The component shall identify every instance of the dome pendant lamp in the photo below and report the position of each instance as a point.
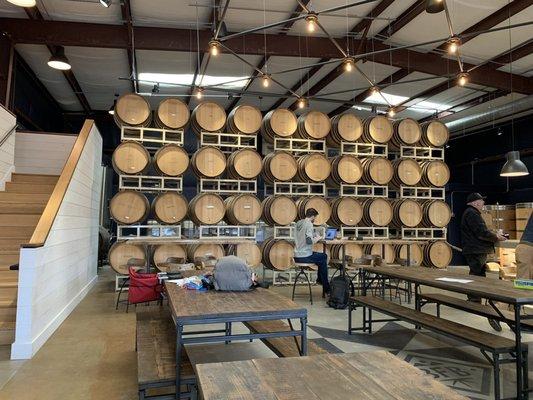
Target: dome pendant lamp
(434, 6)
(514, 166)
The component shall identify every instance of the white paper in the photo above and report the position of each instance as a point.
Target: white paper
(454, 280)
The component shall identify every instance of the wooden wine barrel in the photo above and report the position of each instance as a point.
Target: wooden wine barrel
(376, 212)
(245, 119)
(172, 113)
(318, 203)
(208, 117)
(279, 166)
(437, 254)
(129, 207)
(195, 251)
(523, 213)
(436, 213)
(353, 250)
(132, 110)
(377, 129)
(169, 208)
(345, 169)
(406, 212)
(377, 171)
(243, 209)
(434, 134)
(346, 127)
(407, 132)
(249, 252)
(277, 254)
(434, 173)
(345, 211)
(416, 255)
(313, 125)
(279, 210)
(121, 252)
(244, 164)
(501, 216)
(313, 167)
(208, 162)
(407, 172)
(385, 251)
(163, 251)
(171, 160)
(130, 158)
(279, 122)
(207, 209)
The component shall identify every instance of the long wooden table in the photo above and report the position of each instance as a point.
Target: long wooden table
(362, 376)
(490, 289)
(191, 307)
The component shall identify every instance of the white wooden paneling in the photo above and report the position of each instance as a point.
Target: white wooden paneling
(7, 150)
(38, 153)
(54, 278)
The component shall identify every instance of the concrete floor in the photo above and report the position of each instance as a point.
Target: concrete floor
(91, 356)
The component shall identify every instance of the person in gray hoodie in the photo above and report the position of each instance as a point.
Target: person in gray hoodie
(304, 239)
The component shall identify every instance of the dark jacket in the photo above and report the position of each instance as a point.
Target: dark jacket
(475, 236)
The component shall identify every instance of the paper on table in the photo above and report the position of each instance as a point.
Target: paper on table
(455, 280)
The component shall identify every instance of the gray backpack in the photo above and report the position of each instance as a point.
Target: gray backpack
(232, 273)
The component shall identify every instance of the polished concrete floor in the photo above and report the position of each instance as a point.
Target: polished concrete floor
(91, 356)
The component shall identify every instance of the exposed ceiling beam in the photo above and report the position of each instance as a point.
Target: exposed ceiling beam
(169, 39)
(407, 16)
(285, 28)
(494, 19)
(395, 77)
(125, 8)
(35, 15)
(376, 12)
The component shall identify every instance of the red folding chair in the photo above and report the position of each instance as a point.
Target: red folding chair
(143, 288)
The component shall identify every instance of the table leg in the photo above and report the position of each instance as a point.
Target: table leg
(228, 331)
(343, 254)
(418, 306)
(303, 327)
(179, 337)
(408, 255)
(519, 355)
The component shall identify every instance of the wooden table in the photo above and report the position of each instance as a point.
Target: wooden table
(491, 289)
(191, 307)
(362, 376)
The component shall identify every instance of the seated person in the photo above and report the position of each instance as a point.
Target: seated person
(304, 239)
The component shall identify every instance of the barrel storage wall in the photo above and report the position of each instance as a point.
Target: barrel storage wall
(370, 178)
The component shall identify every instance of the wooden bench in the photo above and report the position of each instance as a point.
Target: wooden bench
(491, 346)
(470, 306)
(156, 356)
(284, 346)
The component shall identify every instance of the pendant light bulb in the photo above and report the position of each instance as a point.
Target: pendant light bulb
(199, 93)
(374, 90)
(23, 3)
(301, 103)
(311, 22)
(391, 113)
(462, 79)
(214, 47)
(265, 80)
(453, 45)
(348, 64)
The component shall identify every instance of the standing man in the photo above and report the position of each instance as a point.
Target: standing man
(524, 253)
(478, 241)
(304, 239)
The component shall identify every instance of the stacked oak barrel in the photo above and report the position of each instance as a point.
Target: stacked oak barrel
(331, 168)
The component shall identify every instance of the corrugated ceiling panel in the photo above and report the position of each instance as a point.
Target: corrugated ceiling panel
(81, 10)
(171, 13)
(523, 66)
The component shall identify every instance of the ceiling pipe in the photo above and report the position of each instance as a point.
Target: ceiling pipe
(490, 115)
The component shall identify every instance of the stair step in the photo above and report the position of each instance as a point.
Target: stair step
(21, 208)
(34, 178)
(8, 302)
(23, 198)
(19, 219)
(7, 332)
(9, 258)
(8, 284)
(8, 314)
(12, 232)
(27, 187)
(9, 293)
